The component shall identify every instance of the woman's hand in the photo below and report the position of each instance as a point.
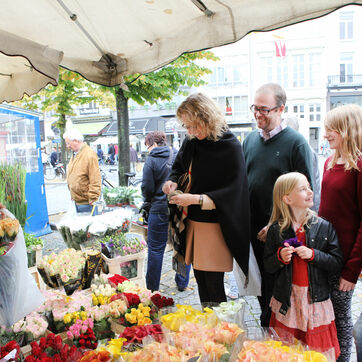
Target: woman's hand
(169, 187)
(345, 285)
(303, 252)
(287, 253)
(262, 234)
(185, 199)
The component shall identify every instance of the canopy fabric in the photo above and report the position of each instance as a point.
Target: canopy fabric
(89, 128)
(104, 40)
(26, 66)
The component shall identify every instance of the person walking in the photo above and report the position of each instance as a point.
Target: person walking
(100, 155)
(133, 158)
(270, 151)
(83, 174)
(217, 205)
(341, 204)
(155, 172)
(301, 252)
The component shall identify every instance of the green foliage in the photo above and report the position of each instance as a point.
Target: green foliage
(31, 241)
(12, 190)
(164, 83)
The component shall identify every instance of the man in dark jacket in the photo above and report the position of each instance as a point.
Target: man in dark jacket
(271, 150)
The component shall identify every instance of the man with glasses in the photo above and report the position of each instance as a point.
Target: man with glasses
(271, 150)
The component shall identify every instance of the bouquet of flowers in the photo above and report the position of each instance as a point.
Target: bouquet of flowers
(51, 349)
(63, 269)
(10, 348)
(136, 334)
(9, 228)
(82, 335)
(161, 301)
(34, 326)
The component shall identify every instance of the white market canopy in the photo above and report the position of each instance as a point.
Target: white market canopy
(104, 40)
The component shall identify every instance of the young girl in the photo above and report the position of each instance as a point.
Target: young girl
(341, 204)
(301, 250)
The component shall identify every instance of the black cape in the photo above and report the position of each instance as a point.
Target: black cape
(218, 170)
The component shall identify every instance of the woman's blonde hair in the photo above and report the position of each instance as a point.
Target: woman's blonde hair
(347, 121)
(282, 212)
(202, 111)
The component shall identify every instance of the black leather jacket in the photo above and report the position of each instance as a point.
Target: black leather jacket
(328, 260)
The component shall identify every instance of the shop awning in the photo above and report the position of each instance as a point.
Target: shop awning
(90, 129)
(139, 126)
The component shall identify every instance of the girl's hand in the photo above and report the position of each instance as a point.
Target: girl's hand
(169, 186)
(287, 253)
(185, 199)
(303, 252)
(345, 286)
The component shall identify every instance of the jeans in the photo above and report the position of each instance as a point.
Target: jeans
(357, 334)
(86, 208)
(156, 240)
(183, 282)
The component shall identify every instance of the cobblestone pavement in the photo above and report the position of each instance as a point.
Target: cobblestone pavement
(54, 242)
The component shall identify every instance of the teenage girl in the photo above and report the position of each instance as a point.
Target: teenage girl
(301, 250)
(341, 204)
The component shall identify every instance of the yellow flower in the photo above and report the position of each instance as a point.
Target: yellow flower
(115, 347)
(83, 315)
(67, 318)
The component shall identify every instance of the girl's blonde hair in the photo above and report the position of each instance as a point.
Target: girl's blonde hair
(282, 212)
(202, 111)
(347, 121)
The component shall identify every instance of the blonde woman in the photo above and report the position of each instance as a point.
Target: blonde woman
(217, 226)
(341, 204)
(301, 251)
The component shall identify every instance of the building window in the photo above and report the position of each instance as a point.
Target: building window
(314, 70)
(346, 25)
(282, 71)
(346, 68)
(267, 69)
(315, 112)
(298, 70)
(298, 110)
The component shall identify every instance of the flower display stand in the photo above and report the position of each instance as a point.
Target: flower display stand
(122, 264)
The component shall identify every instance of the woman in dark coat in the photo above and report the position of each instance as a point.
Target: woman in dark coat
(217, 224)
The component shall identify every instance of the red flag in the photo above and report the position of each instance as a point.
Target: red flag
(280, 49)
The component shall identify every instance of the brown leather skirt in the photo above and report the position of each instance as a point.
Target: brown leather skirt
(206, 248)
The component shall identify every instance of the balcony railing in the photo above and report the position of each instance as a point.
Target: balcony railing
(345, 81)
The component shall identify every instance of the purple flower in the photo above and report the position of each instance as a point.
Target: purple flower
(293, 242)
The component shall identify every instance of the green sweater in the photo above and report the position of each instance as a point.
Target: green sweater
(287, 151)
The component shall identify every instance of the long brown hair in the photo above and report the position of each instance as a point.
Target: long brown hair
(347, 121)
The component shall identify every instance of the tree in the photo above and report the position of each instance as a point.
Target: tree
(158, 85)
(72, 89)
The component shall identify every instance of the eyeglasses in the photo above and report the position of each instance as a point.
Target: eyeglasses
(188, 127)
(262, 110)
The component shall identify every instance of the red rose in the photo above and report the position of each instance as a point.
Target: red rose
(88, 344)
(30, 359)
(117, 279)
(82, 342)
(57, 358)
(42, 342)
(64, 352)
(58, 343)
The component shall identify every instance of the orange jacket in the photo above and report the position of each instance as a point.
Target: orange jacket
(84, 177)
